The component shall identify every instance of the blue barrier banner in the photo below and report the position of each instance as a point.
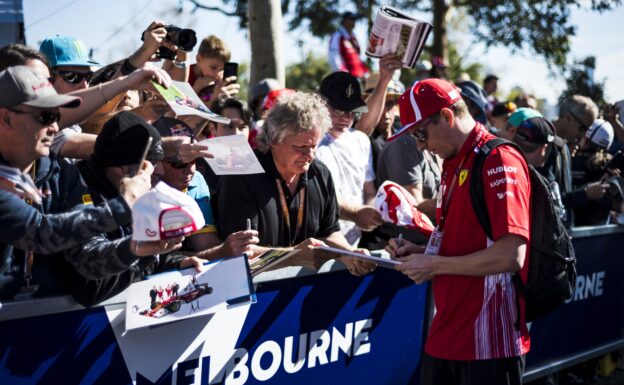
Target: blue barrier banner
(329, 328)
(594, 317)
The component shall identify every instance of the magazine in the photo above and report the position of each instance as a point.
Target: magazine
(18, 183)
(178, 295)
(269, 259)
(232, 155)
(379, 261)
(394, 31)
(184, 101)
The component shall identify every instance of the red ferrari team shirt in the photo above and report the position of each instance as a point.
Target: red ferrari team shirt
(476, 316)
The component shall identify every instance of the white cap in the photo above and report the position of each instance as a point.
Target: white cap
(165, 213)
(600, 133)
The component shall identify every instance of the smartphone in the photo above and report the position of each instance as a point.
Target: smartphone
(616, 162)
(230, 69)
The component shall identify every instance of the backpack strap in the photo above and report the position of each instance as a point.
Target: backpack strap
(477, 196)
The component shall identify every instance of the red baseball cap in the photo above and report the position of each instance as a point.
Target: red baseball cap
(424, 99)
(271, 98)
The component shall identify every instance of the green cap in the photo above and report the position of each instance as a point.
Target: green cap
(521, 114)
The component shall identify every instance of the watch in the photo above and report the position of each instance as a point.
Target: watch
(179, 64)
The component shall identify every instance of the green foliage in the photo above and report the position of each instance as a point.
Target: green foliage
(542, 26)
(307, 75)
(580, 81)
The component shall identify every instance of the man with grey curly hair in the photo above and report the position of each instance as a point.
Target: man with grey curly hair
(293, 204)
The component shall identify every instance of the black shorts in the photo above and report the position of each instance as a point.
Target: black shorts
(502, 371)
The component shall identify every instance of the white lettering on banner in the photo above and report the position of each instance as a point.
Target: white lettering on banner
(590, 285)
(499, 169)
(203, 370)
(501, 181)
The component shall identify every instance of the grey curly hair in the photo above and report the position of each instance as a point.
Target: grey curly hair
(293, 113)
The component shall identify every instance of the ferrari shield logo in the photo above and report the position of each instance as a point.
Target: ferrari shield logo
(463, 174)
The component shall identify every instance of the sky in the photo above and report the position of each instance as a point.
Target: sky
(113, 29)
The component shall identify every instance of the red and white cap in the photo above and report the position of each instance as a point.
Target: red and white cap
(424, 99)
(165, 213)
(397, 206)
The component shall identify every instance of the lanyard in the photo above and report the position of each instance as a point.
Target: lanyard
(286, 213)
(30, 255)
(446, 198)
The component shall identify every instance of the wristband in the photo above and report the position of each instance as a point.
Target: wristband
(127, 68)
(179, 64)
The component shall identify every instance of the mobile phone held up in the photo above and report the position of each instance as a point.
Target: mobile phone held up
(230, 69)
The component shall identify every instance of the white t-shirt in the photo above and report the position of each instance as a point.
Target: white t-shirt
(350, 161)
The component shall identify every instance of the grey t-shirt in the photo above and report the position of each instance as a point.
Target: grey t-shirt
(402, 162)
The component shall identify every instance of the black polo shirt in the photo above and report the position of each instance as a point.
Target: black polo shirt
(256, 197)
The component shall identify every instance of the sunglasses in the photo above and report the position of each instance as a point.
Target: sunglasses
(420, 134)
(73, 77)
(45, 117)
(180, 165)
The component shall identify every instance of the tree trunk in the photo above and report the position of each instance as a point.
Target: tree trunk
(439, 47)
(265, 30)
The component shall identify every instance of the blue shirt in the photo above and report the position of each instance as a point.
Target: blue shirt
(198, 190)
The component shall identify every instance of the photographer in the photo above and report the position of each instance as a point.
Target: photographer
(158, 35)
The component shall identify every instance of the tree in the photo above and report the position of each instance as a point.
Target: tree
(580, 81)
(307, 75)
(542, 26)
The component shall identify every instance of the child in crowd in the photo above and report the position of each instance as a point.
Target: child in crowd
(206, 76)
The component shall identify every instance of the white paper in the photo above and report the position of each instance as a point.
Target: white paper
(221, 284)
(379, 261)
(232, 156)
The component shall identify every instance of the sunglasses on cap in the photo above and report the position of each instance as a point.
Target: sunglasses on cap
(73, 77)
(45, 117)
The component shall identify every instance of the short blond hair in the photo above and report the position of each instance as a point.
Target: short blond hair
(213, 47)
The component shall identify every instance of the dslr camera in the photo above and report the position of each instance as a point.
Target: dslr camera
(185, 39)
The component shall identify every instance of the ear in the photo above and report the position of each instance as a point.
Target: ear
(212, 127)
(5, 120)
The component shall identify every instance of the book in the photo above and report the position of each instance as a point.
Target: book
(394, 31)
(232, 155)
(18, 183)
(178, 295)
(378, 260)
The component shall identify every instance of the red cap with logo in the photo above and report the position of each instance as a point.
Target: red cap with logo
(424, 99)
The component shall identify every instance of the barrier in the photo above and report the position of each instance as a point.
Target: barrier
(329, 328)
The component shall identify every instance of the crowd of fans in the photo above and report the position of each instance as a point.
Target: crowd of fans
(78, 128)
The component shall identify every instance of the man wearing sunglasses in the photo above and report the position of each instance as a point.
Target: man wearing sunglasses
(29, 112)
(478, 334)
(576, 114)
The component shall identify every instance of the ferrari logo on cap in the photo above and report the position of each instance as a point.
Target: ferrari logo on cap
(349, 91)
(463, 174)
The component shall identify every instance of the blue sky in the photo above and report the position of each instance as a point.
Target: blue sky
(113, 28)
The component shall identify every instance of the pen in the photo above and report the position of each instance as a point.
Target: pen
(248, 224)
(400, 241)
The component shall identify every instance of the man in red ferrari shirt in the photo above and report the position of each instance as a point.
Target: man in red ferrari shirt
(478, 334)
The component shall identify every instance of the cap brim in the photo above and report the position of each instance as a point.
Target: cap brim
(78, 63)
(55, 101)
(402, 131)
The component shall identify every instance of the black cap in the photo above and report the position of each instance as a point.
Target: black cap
(505, 108)
(173, 127)
(536, 130)
(342, 91)
(123, 139)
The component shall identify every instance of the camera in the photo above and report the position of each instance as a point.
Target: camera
(185, 39)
